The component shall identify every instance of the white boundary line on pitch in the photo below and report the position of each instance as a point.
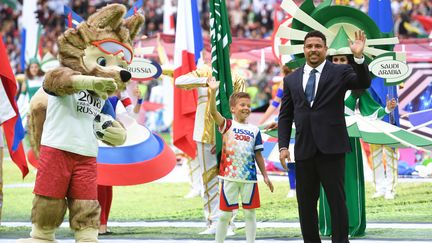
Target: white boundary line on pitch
(190, 224)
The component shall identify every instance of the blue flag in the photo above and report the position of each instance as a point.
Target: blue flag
(72, 19)
(380, 12)
(134, 8)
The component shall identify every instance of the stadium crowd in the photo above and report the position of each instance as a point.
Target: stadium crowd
(254, 19)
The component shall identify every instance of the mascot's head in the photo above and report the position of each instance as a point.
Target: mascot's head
(102, 45)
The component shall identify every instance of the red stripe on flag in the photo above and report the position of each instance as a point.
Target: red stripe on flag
(185, 103)
(9, 84)
(70, 24)
(172, 25)
(40, 48)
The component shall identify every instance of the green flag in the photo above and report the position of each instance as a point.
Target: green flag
(220, 41)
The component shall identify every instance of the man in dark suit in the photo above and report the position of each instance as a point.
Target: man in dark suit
(314, 99)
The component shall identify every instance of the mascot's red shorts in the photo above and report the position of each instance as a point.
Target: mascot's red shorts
(64, 174)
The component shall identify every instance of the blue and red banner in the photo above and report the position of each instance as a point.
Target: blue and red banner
(187, 52)
(9, 115)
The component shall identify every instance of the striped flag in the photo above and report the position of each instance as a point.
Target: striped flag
(168, 18)
(136, 7)
(187, 52)
(9, 115)
(380, 12)
(72, 19)
(220, 41)
(30, 33)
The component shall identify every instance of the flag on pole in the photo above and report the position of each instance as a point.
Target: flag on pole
(72, 19)
(9, 115)
(380, 12)
(187, 52)
(220, 36)
(31, 32)
(136, 7)
(168, 18)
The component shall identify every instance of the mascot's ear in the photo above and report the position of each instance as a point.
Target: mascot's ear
(110, 15)
(134, 24)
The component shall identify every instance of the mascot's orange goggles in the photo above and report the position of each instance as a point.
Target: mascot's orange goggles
(111, 46)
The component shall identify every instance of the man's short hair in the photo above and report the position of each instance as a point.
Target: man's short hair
(316, 33)
(236, 96)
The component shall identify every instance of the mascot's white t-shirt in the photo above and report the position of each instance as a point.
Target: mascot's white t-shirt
(70, 127)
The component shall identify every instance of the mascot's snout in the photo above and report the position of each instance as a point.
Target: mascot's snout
(125, 75)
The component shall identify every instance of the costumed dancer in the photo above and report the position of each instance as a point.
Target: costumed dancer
(193, 169)
(270, 110)
(204, 137)
(355, 101)
(33, 80)
(385, 170)
(384, 158)
(241, 148)
(105, 192)
(93, 58)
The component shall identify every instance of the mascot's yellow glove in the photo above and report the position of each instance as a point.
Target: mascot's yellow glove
(100, 85)
(115, 135)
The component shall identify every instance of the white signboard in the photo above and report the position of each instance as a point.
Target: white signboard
(391, 67)
(143, 69)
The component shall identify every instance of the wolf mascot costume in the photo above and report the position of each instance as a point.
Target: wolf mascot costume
(93, 59)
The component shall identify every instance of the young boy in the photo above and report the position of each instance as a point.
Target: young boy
(242, 145)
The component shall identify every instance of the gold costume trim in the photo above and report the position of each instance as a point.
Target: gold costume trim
(210, 174)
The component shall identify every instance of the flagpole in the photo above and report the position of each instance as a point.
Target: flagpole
(220, 36)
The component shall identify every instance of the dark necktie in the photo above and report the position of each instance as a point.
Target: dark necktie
(310, 86)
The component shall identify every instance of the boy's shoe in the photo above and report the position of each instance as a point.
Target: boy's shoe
(291, 194)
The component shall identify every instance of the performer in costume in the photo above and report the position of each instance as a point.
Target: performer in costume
(33, 80)
(194, 174)
(270, 110)
(92, 57)
(385, 170)
(34, 77)
(105, 192)
(204, 137)
(355, 101)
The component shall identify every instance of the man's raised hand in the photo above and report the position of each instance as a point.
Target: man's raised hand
(357, 46)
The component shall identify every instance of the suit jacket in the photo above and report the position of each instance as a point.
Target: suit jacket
(320, 127)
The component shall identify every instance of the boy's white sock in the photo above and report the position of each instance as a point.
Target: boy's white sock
(250, 228)
(222, 226)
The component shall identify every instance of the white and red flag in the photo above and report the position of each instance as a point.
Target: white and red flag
(168, 18)
(9, 116)
(187, 52)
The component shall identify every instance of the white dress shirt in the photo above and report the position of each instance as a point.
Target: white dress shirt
(307, 69)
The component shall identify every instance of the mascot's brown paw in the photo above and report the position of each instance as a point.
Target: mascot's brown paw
(31, 240)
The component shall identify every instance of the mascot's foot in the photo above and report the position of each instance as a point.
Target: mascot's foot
(40, 235)
(86, 235)
(31, 240)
